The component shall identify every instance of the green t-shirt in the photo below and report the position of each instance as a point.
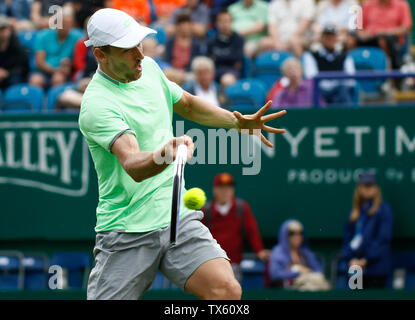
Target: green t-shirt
(143, 108)
(244, 17)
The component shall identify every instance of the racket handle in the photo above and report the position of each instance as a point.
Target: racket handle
(181, 154)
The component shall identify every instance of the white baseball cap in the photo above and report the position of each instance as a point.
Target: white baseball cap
(115, 28)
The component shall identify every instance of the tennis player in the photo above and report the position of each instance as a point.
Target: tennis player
(126, 118)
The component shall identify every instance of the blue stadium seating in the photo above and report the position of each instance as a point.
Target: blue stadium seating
(77, 265)
(11, 270)
(267, 66)
(369, 58)
(404, 260)
(36, 271)
(28, 40)
(20, 98)
(54, 93)
(246, 94)
(252, 274)
(247, 67)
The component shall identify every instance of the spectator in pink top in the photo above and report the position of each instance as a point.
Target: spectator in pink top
(385, 25)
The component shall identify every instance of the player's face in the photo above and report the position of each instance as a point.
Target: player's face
(125, 64)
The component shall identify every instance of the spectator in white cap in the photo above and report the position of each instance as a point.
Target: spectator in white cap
(126, 119)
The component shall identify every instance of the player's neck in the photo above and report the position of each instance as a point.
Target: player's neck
(111, 74)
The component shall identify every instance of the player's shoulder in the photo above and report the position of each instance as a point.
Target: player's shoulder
(150, 62)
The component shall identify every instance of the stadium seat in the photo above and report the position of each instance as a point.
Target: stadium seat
(11, 270)
(20, 98)
(404, 261)
(252, 274)
(77, 266)
(369, 58)
(28, 40)
(161, 35)
(246, 94)
(54, 93)
(267, 66)
(36, 271)
(339, 272)
(247, 67)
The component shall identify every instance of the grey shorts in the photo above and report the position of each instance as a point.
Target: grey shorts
(127, 263)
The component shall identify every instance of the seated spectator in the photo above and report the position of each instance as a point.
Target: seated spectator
(181, 49)
(53, 53)
(139, 9)
(204, 86)
(199, 17)
(292, 264)
(334, 12)
(288, 24)
(164, 10)
(71, 98)
(41, 11)
(18, 11)
(328, 57)
(386, 23)
(368, 233)
(152, 49)
(230, 220)
(249, 21)
(226, 49)
(298, 93)
(14, 63)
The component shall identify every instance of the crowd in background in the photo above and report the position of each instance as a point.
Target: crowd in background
(204, 46)
(292, 264)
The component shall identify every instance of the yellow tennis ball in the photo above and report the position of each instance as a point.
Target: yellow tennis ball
(194, 198)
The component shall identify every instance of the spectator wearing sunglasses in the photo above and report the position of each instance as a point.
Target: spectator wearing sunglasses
(368, 233)
(292, 264)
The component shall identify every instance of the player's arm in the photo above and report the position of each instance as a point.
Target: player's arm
(141, 165)
(206, 113)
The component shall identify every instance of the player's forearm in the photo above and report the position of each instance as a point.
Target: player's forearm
(208, 114)
(142, 165)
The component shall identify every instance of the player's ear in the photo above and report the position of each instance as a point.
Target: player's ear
(100, 54)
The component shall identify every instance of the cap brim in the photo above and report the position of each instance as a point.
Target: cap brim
(133, 38)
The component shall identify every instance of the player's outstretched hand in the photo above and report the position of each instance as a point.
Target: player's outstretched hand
(255, 123)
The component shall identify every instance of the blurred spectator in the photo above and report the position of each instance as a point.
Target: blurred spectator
(71, 98)
(330, 58)
(199, 17)
(230, 220)
(292, 264)
(18, 12)
(297, 92)
(164, 10)
(41, 11)
(226, 49)
(334, 12)
(249, 20)
(386, 23)
(14, 63)
(204, 86)
(183, 47)
(368, 233)
(80, 54)
(288, 24)
(152, 49)
(138, 9)
(53, 53)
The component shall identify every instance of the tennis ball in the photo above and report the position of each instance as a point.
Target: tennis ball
(194, 198)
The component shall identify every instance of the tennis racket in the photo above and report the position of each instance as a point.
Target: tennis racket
(181, 157)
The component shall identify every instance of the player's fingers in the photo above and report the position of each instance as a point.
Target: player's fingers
(238, 115)
(273, 116)
(264, 109)
(272, 129)
(266, 142)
